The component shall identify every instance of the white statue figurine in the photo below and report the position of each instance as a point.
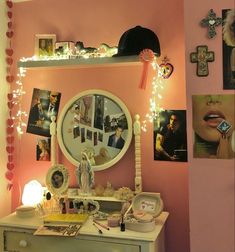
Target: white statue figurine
(85, 174)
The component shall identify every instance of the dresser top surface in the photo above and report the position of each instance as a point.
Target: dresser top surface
(13, 221)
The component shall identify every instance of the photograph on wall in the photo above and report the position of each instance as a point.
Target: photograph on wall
(170, 137)
(228, 17)
(213, 125)
(44, 105)
(43, 149)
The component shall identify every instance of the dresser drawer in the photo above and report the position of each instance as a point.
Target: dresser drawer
(17, 241)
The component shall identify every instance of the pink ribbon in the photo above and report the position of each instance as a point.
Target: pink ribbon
(147, 57)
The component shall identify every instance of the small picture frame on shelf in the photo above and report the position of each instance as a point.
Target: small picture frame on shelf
(45, 45)
(64, 48)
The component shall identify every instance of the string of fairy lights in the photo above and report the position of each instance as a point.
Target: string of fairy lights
(154, 100)
(18, 94)
(155, 108)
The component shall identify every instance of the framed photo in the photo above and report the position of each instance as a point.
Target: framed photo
(57, 179)
(64, 48)
(45, 45)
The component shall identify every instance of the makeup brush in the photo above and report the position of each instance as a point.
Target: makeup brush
(99, 230)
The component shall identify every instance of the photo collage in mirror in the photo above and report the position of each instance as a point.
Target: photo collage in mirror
(97, 125)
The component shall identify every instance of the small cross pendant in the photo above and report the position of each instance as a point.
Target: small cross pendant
(211, 21)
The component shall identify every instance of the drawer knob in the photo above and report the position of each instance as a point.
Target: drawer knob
(23, 243)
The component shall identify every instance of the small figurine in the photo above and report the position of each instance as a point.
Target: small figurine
(109, 191)
(85, 175)
(107, 50)
(81, 49)
(99, 190)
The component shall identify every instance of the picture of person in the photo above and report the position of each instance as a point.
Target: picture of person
(95, 141)
(84, 174)
(107, 123)
(45, 47)
(43, 150)
(57, 179)
(228, 17)
(99, 112)
(76, 111)
(170, 140)
(89, 134)
(86, 103)
(36, 114)
(83, 139)
(44, 105)
(209, 113)
(116, 140)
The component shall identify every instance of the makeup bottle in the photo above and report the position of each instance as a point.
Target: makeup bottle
(122, 225)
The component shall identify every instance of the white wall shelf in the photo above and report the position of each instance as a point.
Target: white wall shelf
(81, 62)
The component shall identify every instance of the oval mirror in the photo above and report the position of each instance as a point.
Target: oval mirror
(98, 123)
(57, 179)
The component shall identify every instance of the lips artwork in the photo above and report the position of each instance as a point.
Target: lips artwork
(213, 125)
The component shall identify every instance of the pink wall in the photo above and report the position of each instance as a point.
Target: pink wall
(95, 22)
(211, 181)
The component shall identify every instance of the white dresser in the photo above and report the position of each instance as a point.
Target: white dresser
(16, 235)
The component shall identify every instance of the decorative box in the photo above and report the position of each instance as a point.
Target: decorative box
(146, 207)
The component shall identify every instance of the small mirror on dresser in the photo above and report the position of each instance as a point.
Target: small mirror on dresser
(98, 123)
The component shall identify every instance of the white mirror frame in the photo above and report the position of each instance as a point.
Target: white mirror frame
(49, 179)
(69, 105)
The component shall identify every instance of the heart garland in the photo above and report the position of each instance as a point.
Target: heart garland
(9, 175)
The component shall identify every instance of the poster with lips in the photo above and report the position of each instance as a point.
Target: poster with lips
(213, 125)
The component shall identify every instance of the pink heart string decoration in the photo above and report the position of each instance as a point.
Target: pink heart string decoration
(9, 25)
(9, 186)
(10, 158)
(10, 122)
(10, 166)
(9, 51)
(10, 139)
(10, 130)
(9, 34)
(9, 4)
(10, 149)
(10, 105)
(9, 61)
(9, 175)
(9, 96)
(9, 14)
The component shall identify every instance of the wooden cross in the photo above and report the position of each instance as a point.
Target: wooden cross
(202, 57)
(211, 21)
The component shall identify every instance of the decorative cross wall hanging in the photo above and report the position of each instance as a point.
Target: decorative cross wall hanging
(202, 57)
(211, 21)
